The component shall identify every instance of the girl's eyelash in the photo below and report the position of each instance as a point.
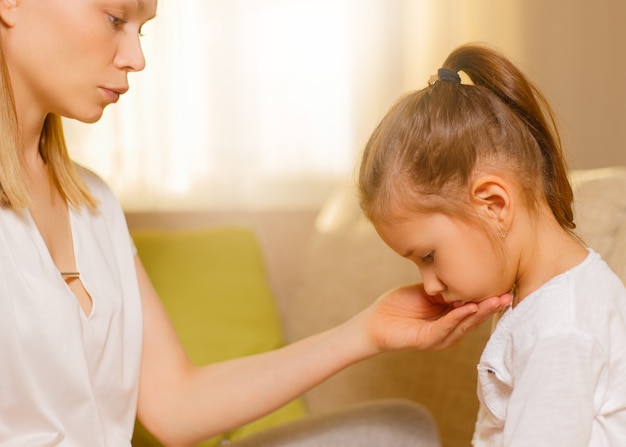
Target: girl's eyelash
(428, 258)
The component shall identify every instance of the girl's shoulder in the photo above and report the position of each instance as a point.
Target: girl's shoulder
(579, 300)
(592, 276)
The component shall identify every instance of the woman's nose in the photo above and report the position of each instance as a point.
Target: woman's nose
(130, 55)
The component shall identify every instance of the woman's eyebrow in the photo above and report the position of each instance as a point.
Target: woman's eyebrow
(141, 6)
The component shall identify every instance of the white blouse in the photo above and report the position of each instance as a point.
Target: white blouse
(67, 378)
(554, 371)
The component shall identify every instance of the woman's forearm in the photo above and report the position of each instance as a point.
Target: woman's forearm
(215, 398)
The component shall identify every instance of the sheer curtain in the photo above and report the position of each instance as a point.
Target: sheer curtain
(266, 104)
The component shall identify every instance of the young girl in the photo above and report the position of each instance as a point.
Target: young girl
(468, 181)
(85, 344)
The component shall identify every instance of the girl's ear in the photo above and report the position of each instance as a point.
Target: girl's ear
(492, 198)
(8, 10)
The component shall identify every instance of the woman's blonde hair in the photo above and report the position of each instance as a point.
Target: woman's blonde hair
(426, 149)
(53, 150)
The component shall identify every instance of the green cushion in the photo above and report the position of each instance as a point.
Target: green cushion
(214, 287)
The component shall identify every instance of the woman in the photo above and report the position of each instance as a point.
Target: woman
(85, 343)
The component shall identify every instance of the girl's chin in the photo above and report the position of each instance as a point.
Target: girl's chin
(460, 301)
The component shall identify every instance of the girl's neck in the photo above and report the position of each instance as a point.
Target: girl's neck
(545, 252)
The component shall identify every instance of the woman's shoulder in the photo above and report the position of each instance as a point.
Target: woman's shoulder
(107, 202)
(97, 186)
(90, 177)
(108, 212)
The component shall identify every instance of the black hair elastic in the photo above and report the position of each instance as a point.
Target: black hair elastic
(445, 74)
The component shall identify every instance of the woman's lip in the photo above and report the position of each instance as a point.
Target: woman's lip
(113, 95)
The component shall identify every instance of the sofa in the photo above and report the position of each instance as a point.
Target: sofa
(258, 280)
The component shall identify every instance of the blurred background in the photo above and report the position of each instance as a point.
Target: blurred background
(266, 104)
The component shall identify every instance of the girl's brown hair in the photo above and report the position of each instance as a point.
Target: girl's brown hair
(53, 150)
(434, 140)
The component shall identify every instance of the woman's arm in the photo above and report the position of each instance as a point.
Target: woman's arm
(182, 404)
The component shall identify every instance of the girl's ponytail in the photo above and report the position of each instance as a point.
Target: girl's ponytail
(491, 70)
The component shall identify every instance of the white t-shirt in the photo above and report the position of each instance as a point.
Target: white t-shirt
(554, 370)
(68, 379)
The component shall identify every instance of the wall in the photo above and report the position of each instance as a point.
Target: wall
(572, 50)
(575, 51)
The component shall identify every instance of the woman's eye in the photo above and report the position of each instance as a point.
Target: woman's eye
(116, 21)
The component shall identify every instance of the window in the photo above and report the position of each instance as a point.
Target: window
(258, 104)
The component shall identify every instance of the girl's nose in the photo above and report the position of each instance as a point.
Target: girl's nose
(432, 284)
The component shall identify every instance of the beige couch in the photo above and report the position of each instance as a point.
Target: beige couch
(326, 266)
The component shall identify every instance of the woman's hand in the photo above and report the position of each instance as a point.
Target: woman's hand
(407, 317)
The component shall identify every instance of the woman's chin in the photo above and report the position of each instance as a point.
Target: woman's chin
(85, 115)
(89, 118)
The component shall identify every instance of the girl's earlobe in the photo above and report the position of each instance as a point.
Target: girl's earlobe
(8, 9)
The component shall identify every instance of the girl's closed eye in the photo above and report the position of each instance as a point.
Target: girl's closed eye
(428, 258)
